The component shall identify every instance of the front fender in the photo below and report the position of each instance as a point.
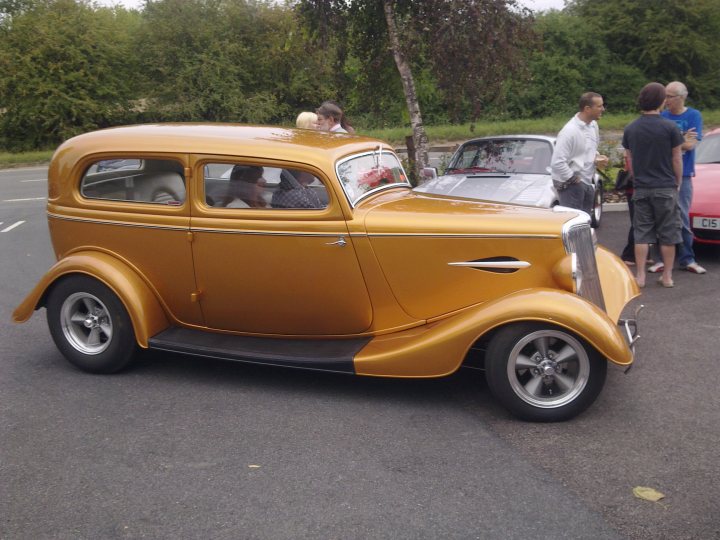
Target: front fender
(439, 348)
(617, 282)
(147, 315)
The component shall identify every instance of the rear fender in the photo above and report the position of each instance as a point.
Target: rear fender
(146, 313)
(440, 347)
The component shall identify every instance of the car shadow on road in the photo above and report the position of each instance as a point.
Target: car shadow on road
(465, 387)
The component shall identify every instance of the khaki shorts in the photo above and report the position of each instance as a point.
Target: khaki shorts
(657, 216)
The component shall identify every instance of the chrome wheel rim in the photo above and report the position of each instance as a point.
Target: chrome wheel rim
(86, 323)
(548, 369)
(598, 204)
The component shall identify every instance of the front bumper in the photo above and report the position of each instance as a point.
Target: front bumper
(631, 331)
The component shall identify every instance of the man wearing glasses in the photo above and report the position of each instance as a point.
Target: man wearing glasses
(689, 121)
(575, 155)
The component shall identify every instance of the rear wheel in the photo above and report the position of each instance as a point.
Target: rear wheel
(597, 210)
(90, 325)
(543, 373)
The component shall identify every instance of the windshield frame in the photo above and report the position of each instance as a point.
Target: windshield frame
(379, 153)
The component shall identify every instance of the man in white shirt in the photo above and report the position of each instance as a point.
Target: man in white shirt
(575, 155)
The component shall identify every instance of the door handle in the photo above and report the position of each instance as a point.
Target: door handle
(339, 242)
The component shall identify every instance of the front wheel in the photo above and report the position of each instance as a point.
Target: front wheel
(90, 325)
(543, 373)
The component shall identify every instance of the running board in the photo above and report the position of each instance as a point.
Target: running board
(317, 354)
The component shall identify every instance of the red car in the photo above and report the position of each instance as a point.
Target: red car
(705, 207)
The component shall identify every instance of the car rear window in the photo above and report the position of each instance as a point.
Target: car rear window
(154, 181)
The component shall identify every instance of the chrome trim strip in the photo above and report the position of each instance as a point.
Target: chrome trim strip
(117, 223)
(492, 264)
(307, 234)
(197, 229)
(267, 233)
(459, 235)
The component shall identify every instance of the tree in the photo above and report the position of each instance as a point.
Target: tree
(360, 19)
(666, 39)
(468, 46)
(66, 69)
(570, 59)
(419, 136)
(474, 46)
(238, 61)
(207, 70)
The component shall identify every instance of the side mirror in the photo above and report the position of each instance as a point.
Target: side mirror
(429, 173)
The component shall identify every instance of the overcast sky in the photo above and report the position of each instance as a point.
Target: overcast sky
(541, 5)
(535, 5)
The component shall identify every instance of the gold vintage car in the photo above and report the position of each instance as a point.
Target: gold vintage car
(311, 250)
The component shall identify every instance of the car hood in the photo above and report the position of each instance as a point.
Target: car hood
(422, 243)
(514, 188)
(416, 212)
(706, 189)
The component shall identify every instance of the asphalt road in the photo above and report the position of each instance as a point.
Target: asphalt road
(188, 448)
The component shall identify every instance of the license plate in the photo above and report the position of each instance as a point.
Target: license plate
(700, 222)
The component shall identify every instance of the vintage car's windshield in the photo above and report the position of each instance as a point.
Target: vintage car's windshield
(523, 156)
(364, 173)
(708, 150)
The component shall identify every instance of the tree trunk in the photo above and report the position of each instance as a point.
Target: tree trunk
(419, 136)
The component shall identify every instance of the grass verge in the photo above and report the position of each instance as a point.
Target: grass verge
(24, 159)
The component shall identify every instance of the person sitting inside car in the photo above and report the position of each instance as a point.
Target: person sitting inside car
(294, 191)
(244, 190)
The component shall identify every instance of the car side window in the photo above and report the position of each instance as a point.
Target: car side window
(246, 185)
(155, 181)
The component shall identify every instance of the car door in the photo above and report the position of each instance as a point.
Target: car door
(135, 207)
(273, 256)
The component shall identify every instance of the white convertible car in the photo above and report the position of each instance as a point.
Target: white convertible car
(511, 169)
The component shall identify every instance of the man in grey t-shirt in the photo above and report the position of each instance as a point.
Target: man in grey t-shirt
(653, 148)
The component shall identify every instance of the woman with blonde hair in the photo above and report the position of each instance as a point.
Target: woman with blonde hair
(307, 120)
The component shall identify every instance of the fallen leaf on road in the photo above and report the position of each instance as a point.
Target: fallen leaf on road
(649, 494)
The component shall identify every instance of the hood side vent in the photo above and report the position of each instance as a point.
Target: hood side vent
(498, 265)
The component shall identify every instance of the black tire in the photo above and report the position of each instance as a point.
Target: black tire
(597, 211)
(574, 372)
(90, 325)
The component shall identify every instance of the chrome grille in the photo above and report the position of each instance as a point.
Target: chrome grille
(578, 239)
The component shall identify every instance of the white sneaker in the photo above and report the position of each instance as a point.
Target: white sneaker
(656, 268)
(695, 268)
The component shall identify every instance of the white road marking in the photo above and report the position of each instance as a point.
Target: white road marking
(11, 171)
(21, 200)
(11, 227)
(34, 180)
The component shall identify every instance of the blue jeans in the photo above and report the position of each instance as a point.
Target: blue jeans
(579, 195)
(686, 255)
